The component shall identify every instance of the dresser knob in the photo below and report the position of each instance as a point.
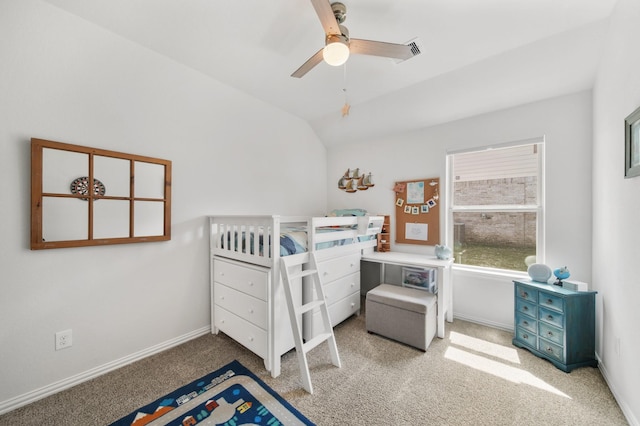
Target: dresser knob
(525, 308)
(525, 336)
(525, 322)
(250, 283)
(549, 302)
(550, 317)
(250, 311)
(550, 334)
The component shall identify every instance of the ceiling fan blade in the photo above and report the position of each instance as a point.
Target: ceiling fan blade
(379, 48)
(327, 18)
(307, 66)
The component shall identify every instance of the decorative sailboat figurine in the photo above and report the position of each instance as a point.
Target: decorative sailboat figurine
(361, 185)
(368, 181)
(349, 187)
(341, 183)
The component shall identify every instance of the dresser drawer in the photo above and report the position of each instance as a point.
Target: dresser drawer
(252, 337)
(527, 337)
(551, 349)
(341, 288)
(338, 312)
(527, 308)
(241, 304)
(339, 267)
(527, 293)
(551, 317)
(549, 332)
(344, 308)
(246, 279)
(551, 301)
(527, 323)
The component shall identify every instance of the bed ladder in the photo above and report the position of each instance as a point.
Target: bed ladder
(291, 278)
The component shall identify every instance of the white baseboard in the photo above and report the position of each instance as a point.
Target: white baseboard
(631, 418)
(482, 321)
(29, 397)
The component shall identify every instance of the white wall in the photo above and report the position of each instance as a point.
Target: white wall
(565, 122)
(616, 203)
(67, 80)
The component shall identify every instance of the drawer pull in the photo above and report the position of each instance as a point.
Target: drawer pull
(550, 333)
(250, 311)
(250, 283)
(525, 308)
(550, 317)
(353, 304)
(525, 336)
(525, 322)
(251, 339)
(549, 302)
(525, 295)
(549, 349)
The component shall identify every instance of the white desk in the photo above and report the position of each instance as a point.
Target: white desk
(445, 302)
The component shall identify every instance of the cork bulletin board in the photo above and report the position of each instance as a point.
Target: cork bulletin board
(418, 211)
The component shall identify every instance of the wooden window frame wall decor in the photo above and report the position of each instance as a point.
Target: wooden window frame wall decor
(145, 225)
(632, 144)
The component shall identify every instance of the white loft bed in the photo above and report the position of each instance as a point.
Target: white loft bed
(247, 298)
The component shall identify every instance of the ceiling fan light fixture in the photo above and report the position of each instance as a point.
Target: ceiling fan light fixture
(336, 51)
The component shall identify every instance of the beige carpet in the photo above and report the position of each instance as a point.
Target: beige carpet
(472, 377)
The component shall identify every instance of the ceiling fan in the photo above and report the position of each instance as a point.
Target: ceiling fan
(338, 45)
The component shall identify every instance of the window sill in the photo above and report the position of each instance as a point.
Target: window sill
(488, 272)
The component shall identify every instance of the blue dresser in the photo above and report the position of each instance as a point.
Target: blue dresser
(556, 323)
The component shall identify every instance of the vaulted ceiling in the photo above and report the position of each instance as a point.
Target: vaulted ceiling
(476, 56)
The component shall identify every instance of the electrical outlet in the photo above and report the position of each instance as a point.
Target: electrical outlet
(64, 339)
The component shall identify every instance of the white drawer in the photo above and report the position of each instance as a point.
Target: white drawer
(339, 267)
(344, 308)
(247, 279)
(338, 312)
(341, 288)
(242, 331)
(241, 304)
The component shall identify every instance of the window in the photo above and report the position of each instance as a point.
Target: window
(496, 217)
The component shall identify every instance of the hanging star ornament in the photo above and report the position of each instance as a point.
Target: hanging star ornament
(345, 109)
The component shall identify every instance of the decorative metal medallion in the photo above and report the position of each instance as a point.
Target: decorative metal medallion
(81, 186)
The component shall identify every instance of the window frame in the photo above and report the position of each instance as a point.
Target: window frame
(538, 208)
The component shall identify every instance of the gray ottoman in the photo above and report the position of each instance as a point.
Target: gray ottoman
(403, 314)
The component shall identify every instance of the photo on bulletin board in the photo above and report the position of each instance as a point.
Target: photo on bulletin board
(417, 211)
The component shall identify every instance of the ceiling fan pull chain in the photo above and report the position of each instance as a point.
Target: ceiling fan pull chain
(346, 106)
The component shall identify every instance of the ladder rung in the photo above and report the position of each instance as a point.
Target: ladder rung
(309, 345)
(309, 306)
(304, 273)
